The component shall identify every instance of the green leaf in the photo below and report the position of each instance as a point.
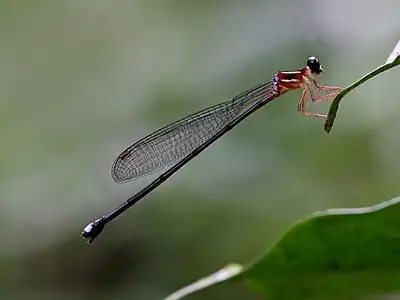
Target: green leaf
(392, 61)
(335, 254)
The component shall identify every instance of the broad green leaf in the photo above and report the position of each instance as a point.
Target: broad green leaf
(392, 61)
(334, 254)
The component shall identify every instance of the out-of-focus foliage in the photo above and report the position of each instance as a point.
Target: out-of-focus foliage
(81, 80)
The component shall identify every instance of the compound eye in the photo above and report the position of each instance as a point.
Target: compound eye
(314, 65)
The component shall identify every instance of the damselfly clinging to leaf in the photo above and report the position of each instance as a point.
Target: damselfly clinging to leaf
(178, 143)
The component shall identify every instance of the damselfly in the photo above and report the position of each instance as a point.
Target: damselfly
(178, 143)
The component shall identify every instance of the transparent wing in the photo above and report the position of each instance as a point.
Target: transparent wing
(173, 142)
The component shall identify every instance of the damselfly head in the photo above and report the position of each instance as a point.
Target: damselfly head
(314, 65)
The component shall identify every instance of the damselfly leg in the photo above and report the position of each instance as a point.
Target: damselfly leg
(308, 89)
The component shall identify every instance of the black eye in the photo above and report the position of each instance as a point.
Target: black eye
(314, 65)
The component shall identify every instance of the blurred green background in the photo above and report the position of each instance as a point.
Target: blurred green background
(81, 80)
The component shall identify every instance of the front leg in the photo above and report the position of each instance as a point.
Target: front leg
(321, 98)
(326, 88)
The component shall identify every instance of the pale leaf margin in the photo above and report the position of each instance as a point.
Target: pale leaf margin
(222, 275)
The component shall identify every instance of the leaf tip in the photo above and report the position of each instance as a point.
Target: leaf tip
(394, 55)
(328, 126)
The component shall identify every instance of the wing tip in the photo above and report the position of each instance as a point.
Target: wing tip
(117, 173)
(116, 170)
